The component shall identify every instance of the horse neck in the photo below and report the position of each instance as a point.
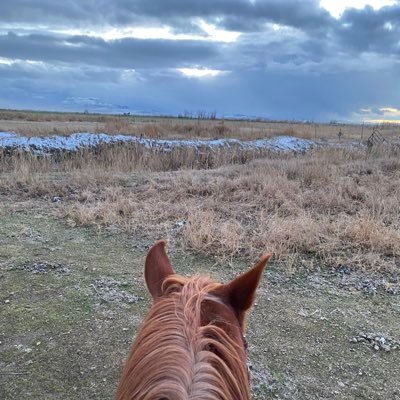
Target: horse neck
(175, 357)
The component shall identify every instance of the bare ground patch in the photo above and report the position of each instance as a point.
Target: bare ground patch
(43, 267)
(109, 290)
(59, 341)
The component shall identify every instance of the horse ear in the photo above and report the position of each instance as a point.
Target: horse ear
(157, 267)
(241, 291)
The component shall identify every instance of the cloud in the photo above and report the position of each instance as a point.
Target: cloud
(378, 115)
(369, 30)
(272, 94)
(286, 58)
(233, 14)
(124, 53)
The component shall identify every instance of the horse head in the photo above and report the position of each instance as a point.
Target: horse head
(191, 344)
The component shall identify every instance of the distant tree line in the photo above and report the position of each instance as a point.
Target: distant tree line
(201, 114)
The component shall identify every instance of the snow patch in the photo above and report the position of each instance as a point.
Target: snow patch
(74, 142)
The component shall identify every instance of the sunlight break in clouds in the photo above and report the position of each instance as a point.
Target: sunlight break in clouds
(336, 7)
(6, 61)
(16, 61)
(379, 116)
(212, 33)
(200, 72)
(390, 114)
(218, 34)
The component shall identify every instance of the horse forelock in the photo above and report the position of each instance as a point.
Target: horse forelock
(177, 356)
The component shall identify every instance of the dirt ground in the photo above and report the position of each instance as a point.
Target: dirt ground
(72, 298)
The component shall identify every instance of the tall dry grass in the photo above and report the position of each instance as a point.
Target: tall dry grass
(125, 158)
(325, 208)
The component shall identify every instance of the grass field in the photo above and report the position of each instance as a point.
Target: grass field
(45, 123)
(74, 231)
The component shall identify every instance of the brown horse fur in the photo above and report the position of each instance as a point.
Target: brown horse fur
(191, 344)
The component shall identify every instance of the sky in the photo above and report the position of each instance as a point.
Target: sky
(328, 60)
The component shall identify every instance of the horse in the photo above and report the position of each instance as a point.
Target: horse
(191, 345)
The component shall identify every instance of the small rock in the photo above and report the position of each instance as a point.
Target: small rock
(180, 224)
(6, 301)
(376, 347)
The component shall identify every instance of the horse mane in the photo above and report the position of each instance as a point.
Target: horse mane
(182, 352)
(190, 345)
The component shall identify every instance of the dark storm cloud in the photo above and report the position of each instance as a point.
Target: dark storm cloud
(312, 66)
(241, 15)
(370, 30)
(66, 12)
(273, 94)
(124, 53)
(356, 32)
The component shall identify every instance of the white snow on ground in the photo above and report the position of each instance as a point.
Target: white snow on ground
(78, 141)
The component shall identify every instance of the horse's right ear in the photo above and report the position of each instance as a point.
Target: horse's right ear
(156, 268)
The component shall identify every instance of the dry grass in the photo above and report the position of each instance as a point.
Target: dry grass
(42, 116)
(42, 123)
(121, 158)
(320, 210)
(116, 125)
(327, 207)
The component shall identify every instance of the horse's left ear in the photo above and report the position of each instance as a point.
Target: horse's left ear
(241, 291)
(156, 268)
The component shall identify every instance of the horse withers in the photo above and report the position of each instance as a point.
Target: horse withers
(191, 344)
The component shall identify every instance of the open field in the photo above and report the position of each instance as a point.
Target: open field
(335, 206)
(74, 231)
(43, 123)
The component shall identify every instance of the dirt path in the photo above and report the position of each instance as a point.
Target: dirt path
(71, 301)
